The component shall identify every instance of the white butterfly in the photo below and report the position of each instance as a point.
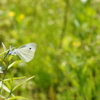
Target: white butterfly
(25, 52)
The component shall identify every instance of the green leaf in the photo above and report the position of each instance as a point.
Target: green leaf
(22, 83)
(14, 63)
(15, 78)
(4, 47)
(17, 97)
(5, 88)
(2, 97)
(4, 52)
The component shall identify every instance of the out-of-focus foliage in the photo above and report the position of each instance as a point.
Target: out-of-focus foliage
(67, 33)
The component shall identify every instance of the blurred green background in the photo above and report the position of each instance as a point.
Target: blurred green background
(67, 33)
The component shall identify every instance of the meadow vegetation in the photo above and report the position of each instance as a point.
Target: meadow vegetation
(67, 34)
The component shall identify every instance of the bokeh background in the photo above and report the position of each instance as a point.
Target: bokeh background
(67, 33)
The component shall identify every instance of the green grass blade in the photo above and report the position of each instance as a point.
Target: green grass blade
(17, 97)
(22, 83)
(4, 47)
(3, 52)
(5, 88)
(14, 63)
(15, 78)
(2, 97)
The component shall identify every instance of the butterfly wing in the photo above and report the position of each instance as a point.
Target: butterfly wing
(26, 52)
(31, 46)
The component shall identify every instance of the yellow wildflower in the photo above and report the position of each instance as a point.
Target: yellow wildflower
(79, 44)
(21, 16)
(76, 44)
(11, 14)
